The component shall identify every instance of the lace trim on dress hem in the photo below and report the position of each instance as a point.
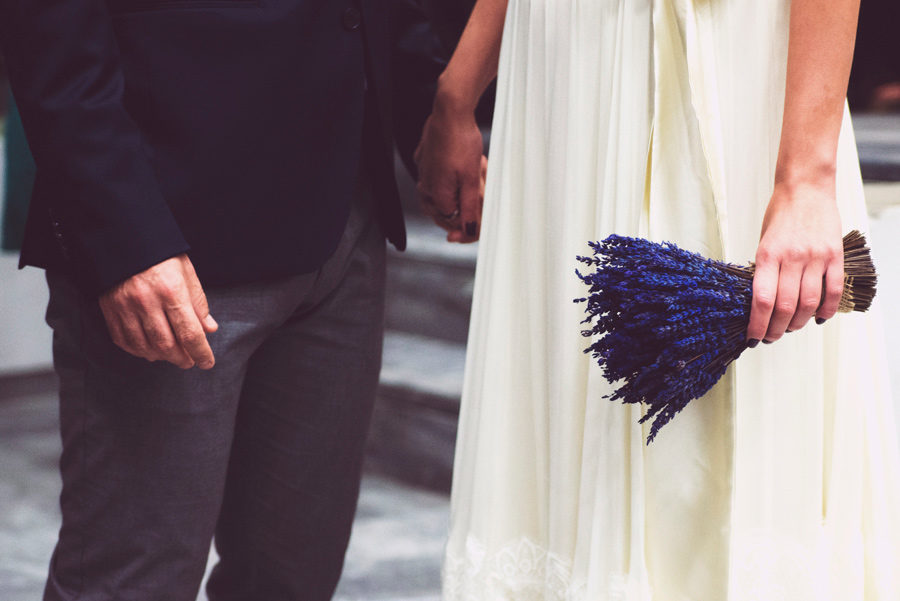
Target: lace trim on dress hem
(522, 570)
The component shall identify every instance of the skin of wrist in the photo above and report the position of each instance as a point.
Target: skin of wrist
(791, 176)
(450, 100)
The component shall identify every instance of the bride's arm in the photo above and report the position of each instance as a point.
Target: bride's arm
(449, 155)
(801, 233)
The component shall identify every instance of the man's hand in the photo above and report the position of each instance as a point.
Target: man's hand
(451, 167)
(161, 314)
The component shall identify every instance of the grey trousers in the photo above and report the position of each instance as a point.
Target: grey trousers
(264, 451)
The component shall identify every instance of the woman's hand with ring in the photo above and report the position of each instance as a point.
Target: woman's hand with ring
(450, 162)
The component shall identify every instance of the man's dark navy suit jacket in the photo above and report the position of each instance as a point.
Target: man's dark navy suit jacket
(230, 129)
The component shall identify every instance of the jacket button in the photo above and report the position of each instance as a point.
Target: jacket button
(351, 18)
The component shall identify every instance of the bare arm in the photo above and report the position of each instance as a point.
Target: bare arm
(474, 63)
(449, 155)
(800, 247)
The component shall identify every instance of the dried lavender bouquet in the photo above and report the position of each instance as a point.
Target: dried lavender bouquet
(667, 322)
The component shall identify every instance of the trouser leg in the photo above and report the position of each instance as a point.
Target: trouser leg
(293, 479)
(145, 453)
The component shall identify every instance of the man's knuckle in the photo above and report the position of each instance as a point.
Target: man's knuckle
(138, 349)
(113, 302)
(168, 291)
(139, 301)
(191, 337)
(170, 282)
(166, 344)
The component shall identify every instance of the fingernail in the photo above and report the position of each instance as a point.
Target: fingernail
(819, 321)
(767, 341)
(206, 365)
(471, 228)
(752, 342)
(210, 322)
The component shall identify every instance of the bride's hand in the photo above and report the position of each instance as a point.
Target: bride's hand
(451, 165)
(800, 252)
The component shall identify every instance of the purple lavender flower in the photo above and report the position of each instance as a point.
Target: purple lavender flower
(666, 322)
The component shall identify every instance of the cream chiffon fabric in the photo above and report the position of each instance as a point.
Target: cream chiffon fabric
(658, 118)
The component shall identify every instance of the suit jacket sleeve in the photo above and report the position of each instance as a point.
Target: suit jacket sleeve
(418, 59)
(106, 206)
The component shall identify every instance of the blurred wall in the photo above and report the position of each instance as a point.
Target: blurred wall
(24, 337)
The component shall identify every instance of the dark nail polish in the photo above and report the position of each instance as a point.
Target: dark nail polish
(788, 331)
(767, 341)
(819, 320)
(752, 342)
(471, 228)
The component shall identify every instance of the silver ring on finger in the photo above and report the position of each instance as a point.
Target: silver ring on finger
(449, 216)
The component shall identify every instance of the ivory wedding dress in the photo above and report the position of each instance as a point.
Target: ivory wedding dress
(658, 118)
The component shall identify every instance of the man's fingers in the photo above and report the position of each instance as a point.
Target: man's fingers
(810, 295)
(189, 332)
(135, 341)
(428, 208)
(198, 299)
(461, 235)
(765, 287)
(449, 157)
(470, 208)
(125, 327)
(161, 314)
(417, 153)
(446, 202)
(112, 324)
(785, 300)
(442, 208)
(161, 337)
(834, 288)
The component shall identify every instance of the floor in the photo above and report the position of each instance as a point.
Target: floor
(394, 554)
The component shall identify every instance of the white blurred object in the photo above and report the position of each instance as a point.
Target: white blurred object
(24, 337)
(884, 209)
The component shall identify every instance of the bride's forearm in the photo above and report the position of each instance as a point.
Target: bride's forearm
(799, 261)
(820, 52)
(474, 62)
